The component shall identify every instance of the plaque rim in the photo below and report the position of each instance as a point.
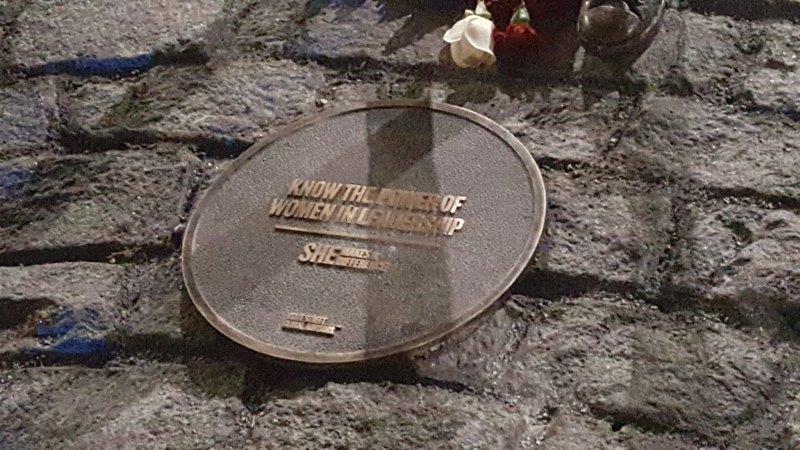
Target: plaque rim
(434, 335)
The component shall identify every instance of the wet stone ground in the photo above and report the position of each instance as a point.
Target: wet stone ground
(662, 309)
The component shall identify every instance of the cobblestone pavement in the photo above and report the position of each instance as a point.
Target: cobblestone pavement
(662, 309)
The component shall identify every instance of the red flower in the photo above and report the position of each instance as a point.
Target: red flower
(519, 42)
(515, 41)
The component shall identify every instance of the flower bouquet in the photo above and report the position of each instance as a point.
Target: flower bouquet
(535, 33)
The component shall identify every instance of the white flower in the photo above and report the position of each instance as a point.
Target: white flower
(470, 39)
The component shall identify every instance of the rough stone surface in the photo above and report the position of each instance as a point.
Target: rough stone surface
(237, 100)
(574, 124)
(74, 284)
(711, 53)
(716, 146)
(131, 403)
(266, 28)
(396, 32)
(774, 82)
(157, 307)
(50, 30)
(90, 309)
(747, 255)
(661, 310)
(88, 105)
(642, 370)
(368, 415)
(603, 229)
(113, 199)
(28, 112)
(63, 308)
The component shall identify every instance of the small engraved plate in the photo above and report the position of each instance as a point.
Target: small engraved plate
(310, 324)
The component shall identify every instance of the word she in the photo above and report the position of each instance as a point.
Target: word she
(337, 256)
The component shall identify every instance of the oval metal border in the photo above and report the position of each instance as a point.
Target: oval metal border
(434, 335)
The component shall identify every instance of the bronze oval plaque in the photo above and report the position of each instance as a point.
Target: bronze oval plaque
(364, 232)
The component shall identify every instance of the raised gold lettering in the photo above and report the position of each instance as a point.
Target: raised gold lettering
(331, 190)
(358, 194)
(455, 225)
(447, 203)
(278, 205)
(308, 250)
(423, 213)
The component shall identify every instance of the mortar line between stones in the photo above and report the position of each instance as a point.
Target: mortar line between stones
(107, 252)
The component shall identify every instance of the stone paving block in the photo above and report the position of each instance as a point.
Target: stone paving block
(479, 356)
(399, 32)
(132, 404)
(162, 315)
(49, 30)
(570, 123)
(575, 431)
(667, 377)
(269, 28)
(90, 310)
(637, 368)
(774, 89)
(775, 82)
(710, 55)
(69, 308)
(88, 103)
(157, 311)
(96, 202)
(603, 229)
(747, 255)
(241, 99)
(360, 415)
(634, 365)
(718, 147)
(28, 112)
